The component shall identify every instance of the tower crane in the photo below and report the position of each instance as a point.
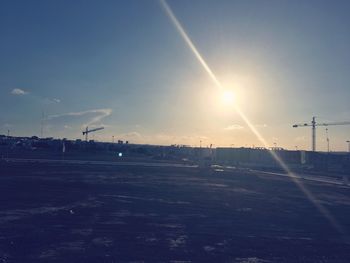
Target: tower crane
(87, 131)
(313, 125)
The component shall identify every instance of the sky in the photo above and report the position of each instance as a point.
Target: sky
(124, 65)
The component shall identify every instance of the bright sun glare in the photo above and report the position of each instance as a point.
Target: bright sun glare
(228, 97)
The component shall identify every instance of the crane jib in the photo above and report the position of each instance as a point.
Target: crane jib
(87, 131)
(313, 124)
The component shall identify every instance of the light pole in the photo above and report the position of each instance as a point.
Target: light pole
(348, 145)
(327, 139)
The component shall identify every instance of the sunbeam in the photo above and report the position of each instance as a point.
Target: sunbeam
(189, 42)
(204, 64)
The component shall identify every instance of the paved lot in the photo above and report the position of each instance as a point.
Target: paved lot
(53, 212)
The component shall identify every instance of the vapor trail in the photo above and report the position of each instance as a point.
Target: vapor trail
(100, 114)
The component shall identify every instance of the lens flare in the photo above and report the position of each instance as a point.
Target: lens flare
(217, 83)
(228, 97)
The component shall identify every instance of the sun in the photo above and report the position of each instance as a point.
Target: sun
(227, 97)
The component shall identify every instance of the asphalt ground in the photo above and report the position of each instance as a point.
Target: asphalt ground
(71, 212)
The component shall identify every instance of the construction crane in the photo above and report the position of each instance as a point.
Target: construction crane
(87, 131)
(313, 125)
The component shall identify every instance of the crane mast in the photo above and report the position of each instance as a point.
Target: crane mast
(313, 129)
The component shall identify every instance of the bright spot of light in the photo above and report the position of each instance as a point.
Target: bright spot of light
(228, 96)
(120, 154)
(324, 211)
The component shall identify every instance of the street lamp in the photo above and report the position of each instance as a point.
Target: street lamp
(348, 145)
(327, 140)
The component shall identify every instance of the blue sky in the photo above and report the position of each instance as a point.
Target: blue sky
(123, 65)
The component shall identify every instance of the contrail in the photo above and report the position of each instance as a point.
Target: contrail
(283, 165)
(100, 114)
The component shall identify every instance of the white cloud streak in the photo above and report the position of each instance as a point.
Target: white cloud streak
(19, 92)
(99, 115)
(261, 125)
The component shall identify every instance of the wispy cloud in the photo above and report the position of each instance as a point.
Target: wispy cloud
(261, 125)
(99, 124)
(132, 135)
(51, 100)
(95, 115)
(19, 92)
(234, 127)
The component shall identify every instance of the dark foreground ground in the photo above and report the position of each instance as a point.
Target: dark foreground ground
(99, 213)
